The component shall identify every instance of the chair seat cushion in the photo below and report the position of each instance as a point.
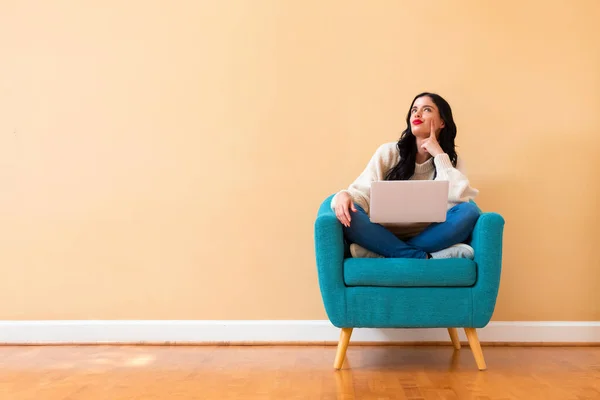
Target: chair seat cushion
(407, 272)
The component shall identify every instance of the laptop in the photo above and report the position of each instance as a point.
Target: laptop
(400, 202)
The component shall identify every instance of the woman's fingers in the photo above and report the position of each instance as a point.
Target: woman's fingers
(342, 212)
(339, 213)
(347, 215)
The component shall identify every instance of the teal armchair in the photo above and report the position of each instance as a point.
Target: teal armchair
(408, 293)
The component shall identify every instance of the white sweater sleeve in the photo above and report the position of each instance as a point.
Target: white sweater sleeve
(460, 189)
(360, 189)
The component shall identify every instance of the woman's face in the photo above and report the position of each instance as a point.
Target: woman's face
(422, 113)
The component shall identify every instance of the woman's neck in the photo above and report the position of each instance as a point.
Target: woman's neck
(422, 155)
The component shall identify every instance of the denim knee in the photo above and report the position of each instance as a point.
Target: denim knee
(468, 211)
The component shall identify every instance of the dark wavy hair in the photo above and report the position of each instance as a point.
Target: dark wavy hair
(407, 145)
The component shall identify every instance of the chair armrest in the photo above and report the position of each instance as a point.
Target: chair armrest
(487, 243)
(329, 249)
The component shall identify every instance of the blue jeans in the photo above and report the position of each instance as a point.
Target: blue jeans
(460, 221)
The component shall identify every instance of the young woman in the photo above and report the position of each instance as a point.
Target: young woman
(425, 151)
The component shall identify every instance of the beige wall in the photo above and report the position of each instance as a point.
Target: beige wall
(165, 160)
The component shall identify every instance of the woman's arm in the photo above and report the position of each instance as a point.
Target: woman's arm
(460, 189)
(360, 189)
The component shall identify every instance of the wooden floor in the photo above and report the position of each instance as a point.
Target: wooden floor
(297, 372)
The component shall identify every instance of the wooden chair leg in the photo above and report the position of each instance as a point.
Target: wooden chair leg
(475, 347)
(454, 337)
(341, 348)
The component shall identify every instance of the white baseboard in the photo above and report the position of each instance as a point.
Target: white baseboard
(302, 331)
